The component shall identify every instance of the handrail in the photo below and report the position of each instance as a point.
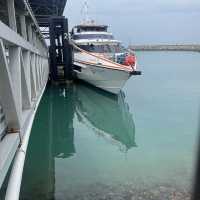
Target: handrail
(14, 184)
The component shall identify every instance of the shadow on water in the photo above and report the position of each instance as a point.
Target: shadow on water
(53, 132)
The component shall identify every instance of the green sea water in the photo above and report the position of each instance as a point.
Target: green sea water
(86, 142)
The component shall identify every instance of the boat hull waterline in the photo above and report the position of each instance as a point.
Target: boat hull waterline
(108, 79)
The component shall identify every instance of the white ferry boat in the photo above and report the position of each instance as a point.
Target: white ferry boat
(101, 60)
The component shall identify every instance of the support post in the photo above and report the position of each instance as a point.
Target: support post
(60, 50)
(30, 34)
(7, 91)
(11, 14)
(33, 78)
(23, 26)
(52, 52)
(15, 71)
(67, 52)
(25, 75)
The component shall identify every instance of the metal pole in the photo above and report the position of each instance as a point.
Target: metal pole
(52, 51)
(67, 52)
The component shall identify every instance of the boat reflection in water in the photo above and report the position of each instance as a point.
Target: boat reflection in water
(52, 136)
(107, 115)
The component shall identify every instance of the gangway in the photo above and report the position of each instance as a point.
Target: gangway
(24, 73)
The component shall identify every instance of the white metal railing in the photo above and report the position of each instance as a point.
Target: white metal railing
(24, 73)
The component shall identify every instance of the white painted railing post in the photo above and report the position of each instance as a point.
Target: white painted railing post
(15, 71)
(25, 74)
(33, 36)
(30, 33)
(7, 92)
(27, 67)
(33, 78)
(23, 26)
(11, 14)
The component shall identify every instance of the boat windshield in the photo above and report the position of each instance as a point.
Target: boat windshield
(92, 36)
(104, 48)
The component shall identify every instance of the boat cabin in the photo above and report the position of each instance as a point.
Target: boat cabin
(95, 38)
(82, 32)
(90, 28)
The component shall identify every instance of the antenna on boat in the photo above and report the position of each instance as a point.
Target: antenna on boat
(84, 12)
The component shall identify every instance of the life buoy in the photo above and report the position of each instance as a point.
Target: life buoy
(129, 60)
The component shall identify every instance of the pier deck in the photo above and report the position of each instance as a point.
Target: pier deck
(24, 72)
(161, 47)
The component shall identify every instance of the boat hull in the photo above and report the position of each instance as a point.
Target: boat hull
(110, 80)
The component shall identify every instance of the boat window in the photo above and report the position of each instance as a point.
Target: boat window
(105, 48)
(92, 36)
(93, 28)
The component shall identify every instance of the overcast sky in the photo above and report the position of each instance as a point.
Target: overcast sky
(143, 21)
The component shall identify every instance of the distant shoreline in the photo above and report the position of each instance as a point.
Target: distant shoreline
(195, 48)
